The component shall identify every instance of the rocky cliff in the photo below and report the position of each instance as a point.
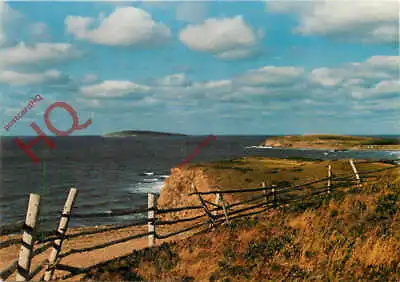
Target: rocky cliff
(179, 184)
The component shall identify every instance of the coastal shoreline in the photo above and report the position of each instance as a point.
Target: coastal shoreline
(333, 148)
(333, 142)
(240, 173)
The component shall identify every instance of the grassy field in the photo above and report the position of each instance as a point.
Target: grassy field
(339, 142)
(353, 235)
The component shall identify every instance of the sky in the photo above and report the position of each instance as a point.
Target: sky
(223, 68)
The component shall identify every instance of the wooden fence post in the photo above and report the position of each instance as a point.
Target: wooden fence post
(151, 204)
(25, 254)
(224, 208)
(204, 206)
(217, 197)
(329, 178)
(273, 196)
(355, 172)
(61, 230)
(265, 193)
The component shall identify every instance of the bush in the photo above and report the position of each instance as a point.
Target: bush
(334, 213)
(382, 142)
(387, 205)
(297, 169)
(296, 272)
(284, 184)
(266, 249)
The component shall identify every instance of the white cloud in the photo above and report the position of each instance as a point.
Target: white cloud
(39, 53)
(126, 26)
(383, 89)
(237, 54)
(7, 16)
(386, 62)
(271, 75)
(228, 38)
(113, 89)
(193, 12)
(277, 88)
(353, 75)
(16, 78)
(325, 77)
(2, 32)
(368, 21)
(388, 86)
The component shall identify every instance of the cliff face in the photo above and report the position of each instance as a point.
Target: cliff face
(177, 187)
(179, 184)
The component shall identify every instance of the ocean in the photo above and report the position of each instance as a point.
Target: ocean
(117, 173)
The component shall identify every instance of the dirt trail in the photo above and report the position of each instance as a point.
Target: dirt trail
(87, 259)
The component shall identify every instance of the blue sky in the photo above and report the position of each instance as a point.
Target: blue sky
(267, 67)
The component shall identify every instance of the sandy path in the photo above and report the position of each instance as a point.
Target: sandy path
(86, 259)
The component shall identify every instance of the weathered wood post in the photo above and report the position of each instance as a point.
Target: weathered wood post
(61, 230)
(25, 254)
(217, 197)
(329, 177)
(224, 208)
(273, 196)
(151, 204)
(265, 193)
(204, 206)
(355, 172)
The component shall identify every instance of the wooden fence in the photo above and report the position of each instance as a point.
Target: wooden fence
(213, 213)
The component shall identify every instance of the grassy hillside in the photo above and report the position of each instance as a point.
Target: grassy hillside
(354, 235)
(340, 142)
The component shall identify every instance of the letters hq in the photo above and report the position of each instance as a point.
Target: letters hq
(50, 126)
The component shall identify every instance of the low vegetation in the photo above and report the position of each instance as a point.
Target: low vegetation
(338, 142)
(351, 235)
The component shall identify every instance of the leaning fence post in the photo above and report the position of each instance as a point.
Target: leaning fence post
(217, 197)
(25, 254)
(204, 205)
(151, 204)
(61, 230)
(329, 178)
(224, 208)
(355, 172)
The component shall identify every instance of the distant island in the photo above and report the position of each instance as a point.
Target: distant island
(128, 133)
(333, 142)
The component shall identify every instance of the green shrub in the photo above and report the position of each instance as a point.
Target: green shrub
(382, 142)
(387, 205)
(296, 272)
(266, 249)
(284, 184)
(297, 169)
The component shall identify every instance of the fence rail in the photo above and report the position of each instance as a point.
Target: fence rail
(271, 197)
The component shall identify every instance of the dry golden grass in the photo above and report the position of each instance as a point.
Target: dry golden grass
(327, 141)
(354, 235)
